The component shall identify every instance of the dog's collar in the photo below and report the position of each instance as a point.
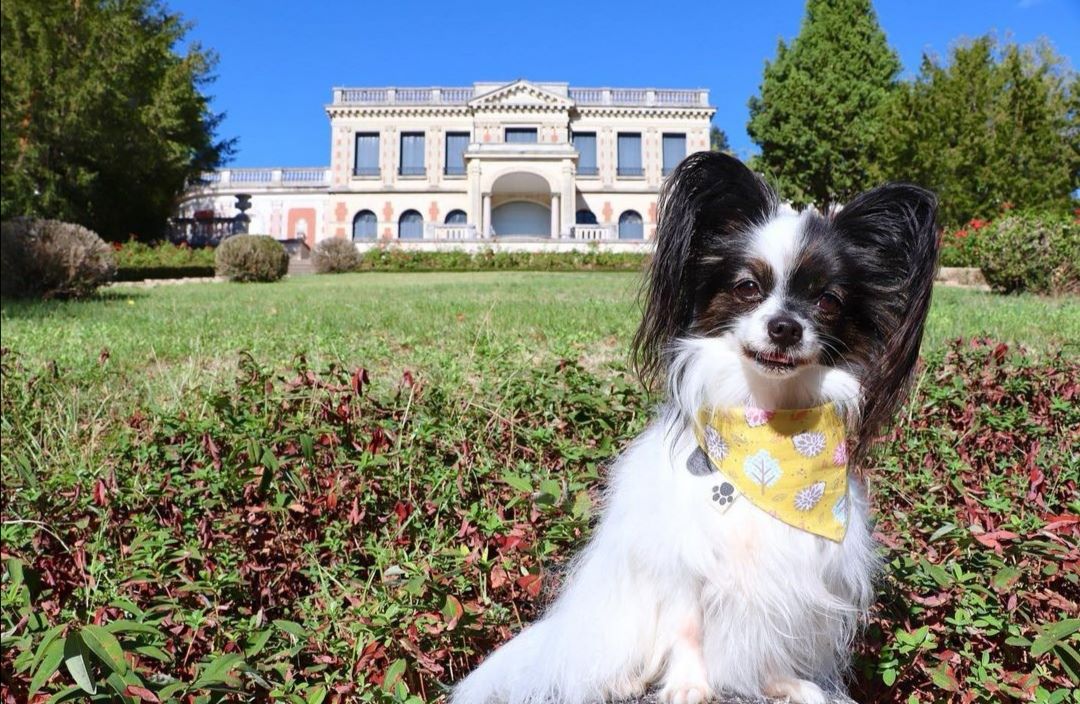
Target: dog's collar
(792, 464)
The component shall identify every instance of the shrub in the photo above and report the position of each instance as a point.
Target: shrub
(1031, 251)
(960, 247)
(335, 256)
(251, 258)
(136, 261)
(52, 259)
(393, 259)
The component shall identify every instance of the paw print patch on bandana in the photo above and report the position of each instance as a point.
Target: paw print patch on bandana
(792, 464)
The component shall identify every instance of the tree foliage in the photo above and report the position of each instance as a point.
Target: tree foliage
(103, 120)
(817, 118)
(718, 140)
(995, 125)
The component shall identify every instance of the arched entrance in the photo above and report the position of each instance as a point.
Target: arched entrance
(521, 206)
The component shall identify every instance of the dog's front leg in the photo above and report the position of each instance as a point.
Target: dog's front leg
(685, 680)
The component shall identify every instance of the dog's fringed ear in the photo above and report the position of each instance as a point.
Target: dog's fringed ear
(893, 230)
(709, 195)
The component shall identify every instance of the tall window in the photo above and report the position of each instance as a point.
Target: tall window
(367, 154)
(585, 143)
(456, 217)
(411, 226)
(674, 151)
(630, 226)
(520, 135)
(456, 144)
(364, 225)
(630, 154)
(412, 154)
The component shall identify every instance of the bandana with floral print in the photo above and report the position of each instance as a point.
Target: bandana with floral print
(792, 464)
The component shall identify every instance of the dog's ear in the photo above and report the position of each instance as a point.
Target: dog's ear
(709, 195)
(892, 230)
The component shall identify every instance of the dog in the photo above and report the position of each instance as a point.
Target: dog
(759, 321)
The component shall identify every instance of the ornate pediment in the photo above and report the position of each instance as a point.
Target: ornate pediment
(521, 94)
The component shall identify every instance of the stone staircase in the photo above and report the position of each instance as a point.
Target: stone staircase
(300, 266)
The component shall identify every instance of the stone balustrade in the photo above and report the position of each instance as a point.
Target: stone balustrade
(632, 97)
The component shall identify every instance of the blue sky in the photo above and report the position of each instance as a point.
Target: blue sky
(280, 58)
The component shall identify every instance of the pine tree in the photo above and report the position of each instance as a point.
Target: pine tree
(816, 119)
(102, 122)
(995, 126)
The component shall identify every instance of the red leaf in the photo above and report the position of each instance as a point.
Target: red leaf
(531, 583)
(402, 511)
(101, 495)
(359, 378)
(144, 694)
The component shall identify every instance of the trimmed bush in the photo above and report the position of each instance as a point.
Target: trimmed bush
(335, 256)
(52, 259)
(1028, 251)
(137, 261)
(393, 259)
(251, 258)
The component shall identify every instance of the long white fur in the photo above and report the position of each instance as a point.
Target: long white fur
(669, 590)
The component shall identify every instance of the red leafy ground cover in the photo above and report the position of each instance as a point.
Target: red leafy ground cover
(305, 534)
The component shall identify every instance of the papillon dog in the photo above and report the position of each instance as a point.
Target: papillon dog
(706, 573)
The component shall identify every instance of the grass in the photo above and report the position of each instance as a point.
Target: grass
(351, 487)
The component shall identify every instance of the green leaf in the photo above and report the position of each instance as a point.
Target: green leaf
(125, 626)
(291, 627)
(258, 643)
(152, 651)
(393, 674)
(1053, 634)
(67, 694)
(1006, 577)
(217, 672)
(104, 645)
(77, 662)
(316, 695)
(519, 483)
(50, 661)
(46, 640)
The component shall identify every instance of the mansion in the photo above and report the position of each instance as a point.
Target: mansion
(517, 164)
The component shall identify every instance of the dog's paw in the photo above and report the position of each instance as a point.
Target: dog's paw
(797, 692)
(685, 693)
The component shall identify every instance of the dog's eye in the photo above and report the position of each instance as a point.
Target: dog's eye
(748, 290)
(829, 304)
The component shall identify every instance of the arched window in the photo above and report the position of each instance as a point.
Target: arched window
(364, 225)
(411, 226)
(631, 226)
(456, 217)
(585, 217)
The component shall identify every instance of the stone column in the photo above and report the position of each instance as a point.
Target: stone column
(485, 224)
(556, 216)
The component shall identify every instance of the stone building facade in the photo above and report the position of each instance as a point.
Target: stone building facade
(542, 165)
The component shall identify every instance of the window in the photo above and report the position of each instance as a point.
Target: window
(367, 154)
(630, 154)
(456, 144)
(520, 135)
(412, 154)
(674, 151)
(585, 143)
(411, 226)
(456, 217)
(364, 225)
(585, 217)
(630, 226)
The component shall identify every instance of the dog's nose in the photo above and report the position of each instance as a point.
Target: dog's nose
(784, 330)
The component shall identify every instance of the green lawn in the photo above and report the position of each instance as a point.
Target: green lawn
(438, 322)
(203, 469)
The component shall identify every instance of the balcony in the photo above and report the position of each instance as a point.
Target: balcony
(461, 95)
(415, 171)
(454, 171)
(593, 233)
(641, 97)
(450, 233)
(588, 171)
(265, 178)
(630, 171)
(367, 171)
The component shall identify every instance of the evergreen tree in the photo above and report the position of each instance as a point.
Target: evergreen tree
(994, 126)
(817, 118)
(102, 121)
(718, 141)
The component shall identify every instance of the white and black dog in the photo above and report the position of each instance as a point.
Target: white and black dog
(746, 307)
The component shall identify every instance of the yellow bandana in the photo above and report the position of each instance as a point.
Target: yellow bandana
(791, 464)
